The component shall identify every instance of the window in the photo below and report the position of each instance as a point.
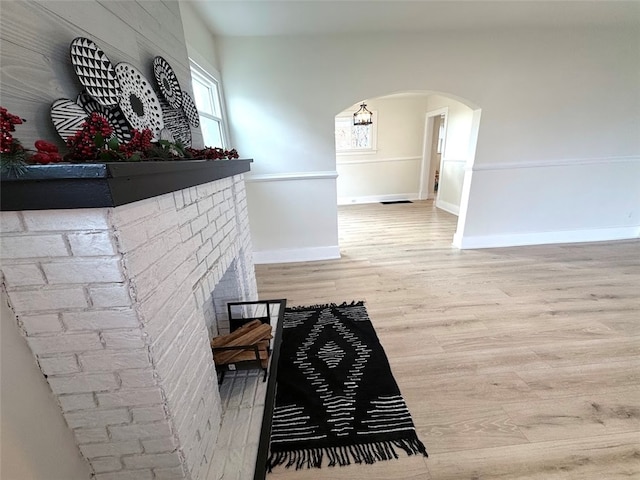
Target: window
(206, 92)
(352, 138)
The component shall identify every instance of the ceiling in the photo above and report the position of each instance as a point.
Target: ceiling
(309, 17)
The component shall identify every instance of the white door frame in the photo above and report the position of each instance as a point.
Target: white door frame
(425, 166)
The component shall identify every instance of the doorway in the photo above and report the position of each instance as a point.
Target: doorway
(435, 129)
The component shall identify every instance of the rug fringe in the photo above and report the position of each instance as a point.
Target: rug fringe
(368, 453)
(354, 303)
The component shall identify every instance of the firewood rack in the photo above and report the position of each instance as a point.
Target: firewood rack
(255, 355)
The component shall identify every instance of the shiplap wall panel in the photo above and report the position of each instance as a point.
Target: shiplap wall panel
(35, 67)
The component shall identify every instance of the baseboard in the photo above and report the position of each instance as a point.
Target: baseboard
(448, 207)
(289, 255)
(545, 238)
(377, 198)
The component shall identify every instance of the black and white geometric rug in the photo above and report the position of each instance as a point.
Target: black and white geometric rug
(336, 397)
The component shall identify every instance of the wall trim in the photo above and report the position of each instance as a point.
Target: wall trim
(378, 160)
(448, 207)
(568, 162)
(281, 177)
(289, 255)
(545, 238)
(393, 197)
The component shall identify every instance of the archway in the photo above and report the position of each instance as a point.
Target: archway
(395, 164)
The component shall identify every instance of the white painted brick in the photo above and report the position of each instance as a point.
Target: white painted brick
(65, 343)
(199, 223)
(166, 202)
(100, 319)
(32, 246)
(145, 283)
(171, 473)
(91, 435)
(48, 299)
(106, 361)
(102, 270)
(187, 214)
(82, 401)
(35, 324)
(97, 418)
(126, 475)
(152, 460)
(159, 445)
(106, 464)
(134, 212)
(10, 222)
(204, 205)
(139, 396)
(137, 378)
(110, 296)
(22, 274)
(131, 236)
(178, 200)
(59, 365)
(142, 257)
(91, 244)
(74, 219)
(94, 450)
(83, 383)
(117, 339)
(140, 430)
(151, 413)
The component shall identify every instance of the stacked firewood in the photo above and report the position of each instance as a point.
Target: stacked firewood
(250, 342)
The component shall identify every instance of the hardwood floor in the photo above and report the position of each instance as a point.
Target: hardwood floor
(516, 363)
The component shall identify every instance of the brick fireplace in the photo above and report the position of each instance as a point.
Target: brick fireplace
(117, 305)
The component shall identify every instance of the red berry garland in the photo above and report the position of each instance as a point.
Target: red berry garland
(82, 146)
(139, 144)
(8, 121)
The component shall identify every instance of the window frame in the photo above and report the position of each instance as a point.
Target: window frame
(348, 114)
(211, 77)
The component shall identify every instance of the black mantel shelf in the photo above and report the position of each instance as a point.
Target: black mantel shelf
(93, 185)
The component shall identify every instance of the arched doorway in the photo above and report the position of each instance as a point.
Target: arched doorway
(396, 160)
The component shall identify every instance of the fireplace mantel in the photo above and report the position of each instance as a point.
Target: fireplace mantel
(93, 185)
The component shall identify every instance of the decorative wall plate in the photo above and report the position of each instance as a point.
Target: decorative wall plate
(167, 82)
(139, 102)
(190, 110)
(95, 71)
(176, 122)
(67, 117)
(113, 115)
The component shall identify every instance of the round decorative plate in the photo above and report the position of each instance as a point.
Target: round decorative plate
(95, 71)
(113, 115)
(167, 82)
(139, 102)
(176, 122)
(68, 117)
(190, 110)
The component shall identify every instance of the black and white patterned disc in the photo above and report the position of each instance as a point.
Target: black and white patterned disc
(167, 82)
(113, 115)
(67, 117)
(139, 102)
(176, 122)
(190, 110)
(95, 71)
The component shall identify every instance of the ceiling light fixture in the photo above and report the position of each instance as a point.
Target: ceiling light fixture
(363, 116)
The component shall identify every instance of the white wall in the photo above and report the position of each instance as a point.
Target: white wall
(392, 171)
(546, 96)
(36, 442)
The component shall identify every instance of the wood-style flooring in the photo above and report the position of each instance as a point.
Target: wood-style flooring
(516, 363)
